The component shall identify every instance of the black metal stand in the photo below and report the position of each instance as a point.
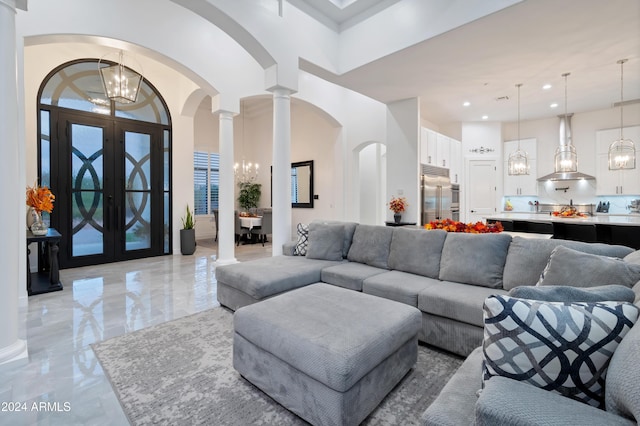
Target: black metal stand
(47, 278)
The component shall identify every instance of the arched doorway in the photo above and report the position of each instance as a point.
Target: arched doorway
(108, 164)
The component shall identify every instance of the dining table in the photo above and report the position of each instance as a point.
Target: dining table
(250, 221)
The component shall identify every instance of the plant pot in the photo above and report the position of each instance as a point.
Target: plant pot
(187, 241)
(397, 217)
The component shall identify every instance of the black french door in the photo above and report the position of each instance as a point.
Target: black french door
(109, 178)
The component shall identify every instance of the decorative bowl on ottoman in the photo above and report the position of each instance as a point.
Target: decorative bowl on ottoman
(328, 354)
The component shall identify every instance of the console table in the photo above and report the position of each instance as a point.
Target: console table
(47, 278)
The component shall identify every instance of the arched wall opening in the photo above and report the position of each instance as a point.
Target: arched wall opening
(370, 175)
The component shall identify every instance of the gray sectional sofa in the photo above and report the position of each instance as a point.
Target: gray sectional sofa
(447, 276)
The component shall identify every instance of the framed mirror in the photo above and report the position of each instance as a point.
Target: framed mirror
(302, 184)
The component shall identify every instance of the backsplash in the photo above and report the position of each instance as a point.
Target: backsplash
(578, 192)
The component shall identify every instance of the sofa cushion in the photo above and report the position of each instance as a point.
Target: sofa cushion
(578, 269)
(460, 302)
(399, 286)
(349, 274)
(325, 242)
(371, 245)
(633, 257)
(561, 347)
(527, 257)
(476, 259)
(349, 229)
(303, 240)
(561, 293)
(417, 251)
(622, 390)
(272, 275)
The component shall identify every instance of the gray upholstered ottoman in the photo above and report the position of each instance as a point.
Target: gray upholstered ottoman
(328, 354)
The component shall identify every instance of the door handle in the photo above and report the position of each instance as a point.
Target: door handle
(473, 211)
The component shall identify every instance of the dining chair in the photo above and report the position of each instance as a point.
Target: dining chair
(239, 229)
(215, 217)
(265, 227)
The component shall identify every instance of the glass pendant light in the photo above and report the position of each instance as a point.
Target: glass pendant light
(622, 152)
(566, 158)
(518, 160)
(121, 84)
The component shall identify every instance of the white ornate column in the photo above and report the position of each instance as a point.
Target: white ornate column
(226, 202)
(281, 188)
(12, 226)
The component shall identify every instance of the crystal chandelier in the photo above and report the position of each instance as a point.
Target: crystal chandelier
(566, 158)
(121, 84)
(518, 160)
(622, 152)
(246, 172)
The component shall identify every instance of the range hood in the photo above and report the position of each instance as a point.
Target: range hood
(565, 144)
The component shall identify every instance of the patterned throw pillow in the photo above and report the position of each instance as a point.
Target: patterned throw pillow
(303, 240)
(560, 347)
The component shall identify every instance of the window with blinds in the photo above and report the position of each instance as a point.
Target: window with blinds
(206, 182)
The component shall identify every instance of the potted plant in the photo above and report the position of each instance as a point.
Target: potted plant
(249, 196)
(398, 205)
(187, 234)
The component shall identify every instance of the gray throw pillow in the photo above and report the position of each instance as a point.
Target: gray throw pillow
(476, 259)
(560, 293)
(578, 269)
(325, 242)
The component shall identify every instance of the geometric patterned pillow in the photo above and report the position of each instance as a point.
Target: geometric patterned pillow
(558, 346)
(303, 240)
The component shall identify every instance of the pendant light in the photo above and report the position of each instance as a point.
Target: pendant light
(622, 152)
(518, 160)
(566, 158)
(121, 84)
(245, 173)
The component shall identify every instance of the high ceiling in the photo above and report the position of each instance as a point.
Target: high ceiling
(533, 43)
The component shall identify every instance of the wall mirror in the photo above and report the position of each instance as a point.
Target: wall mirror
(302, 184)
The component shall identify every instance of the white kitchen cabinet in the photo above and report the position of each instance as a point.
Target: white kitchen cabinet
(521, 184)
(428, 146)
(443, 154)
(616, 182)
(455, 171)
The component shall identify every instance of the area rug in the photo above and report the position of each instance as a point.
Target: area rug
(180, 372)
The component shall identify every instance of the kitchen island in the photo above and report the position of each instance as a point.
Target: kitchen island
(603, 228)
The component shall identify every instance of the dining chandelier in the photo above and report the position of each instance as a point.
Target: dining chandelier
(519, 160)
(566, 157)
(121, 83)
(246, 172)
(622, 152)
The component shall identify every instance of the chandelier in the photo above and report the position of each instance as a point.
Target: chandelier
(566, 158)
(246, 172)
(121, 84)
(622, 152)
(518, 160)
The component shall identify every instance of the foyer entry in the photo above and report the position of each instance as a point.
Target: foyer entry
(108, 165)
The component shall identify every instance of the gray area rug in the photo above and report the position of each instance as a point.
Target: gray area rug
(180, 372)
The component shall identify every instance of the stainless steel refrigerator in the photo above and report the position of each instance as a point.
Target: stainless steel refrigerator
(437, 195)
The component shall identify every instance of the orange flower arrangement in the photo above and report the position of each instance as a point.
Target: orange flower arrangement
(40, 198)
(469, 228)
(398, 205)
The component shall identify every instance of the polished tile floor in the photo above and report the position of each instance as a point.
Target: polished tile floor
(63, 383)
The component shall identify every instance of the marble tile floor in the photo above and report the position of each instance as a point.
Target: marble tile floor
(62, 383)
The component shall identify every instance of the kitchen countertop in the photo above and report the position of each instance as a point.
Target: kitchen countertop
(604, 219)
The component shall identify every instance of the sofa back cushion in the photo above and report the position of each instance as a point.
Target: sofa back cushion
(476, 259)
(417, 251)
(349, 229)
(371, 245)
(527, 257)
(622, 390)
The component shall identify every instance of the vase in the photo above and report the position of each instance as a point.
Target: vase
(38, 227)
(32, 215)
(397, 217)
(187, 241)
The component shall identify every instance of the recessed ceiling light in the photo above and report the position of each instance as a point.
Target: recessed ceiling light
(546, 87)
(466, 103)
(485, 117)
(553, 105)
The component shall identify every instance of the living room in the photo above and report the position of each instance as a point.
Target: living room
(360, 145)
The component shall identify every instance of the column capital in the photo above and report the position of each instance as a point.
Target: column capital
(14, 4)
(280, 76)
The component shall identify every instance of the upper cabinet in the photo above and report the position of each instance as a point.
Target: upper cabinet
(441, 151)
(521, 184)
(616, 182)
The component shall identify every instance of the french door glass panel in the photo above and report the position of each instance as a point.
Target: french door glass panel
(138, 190)
(87, 189)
